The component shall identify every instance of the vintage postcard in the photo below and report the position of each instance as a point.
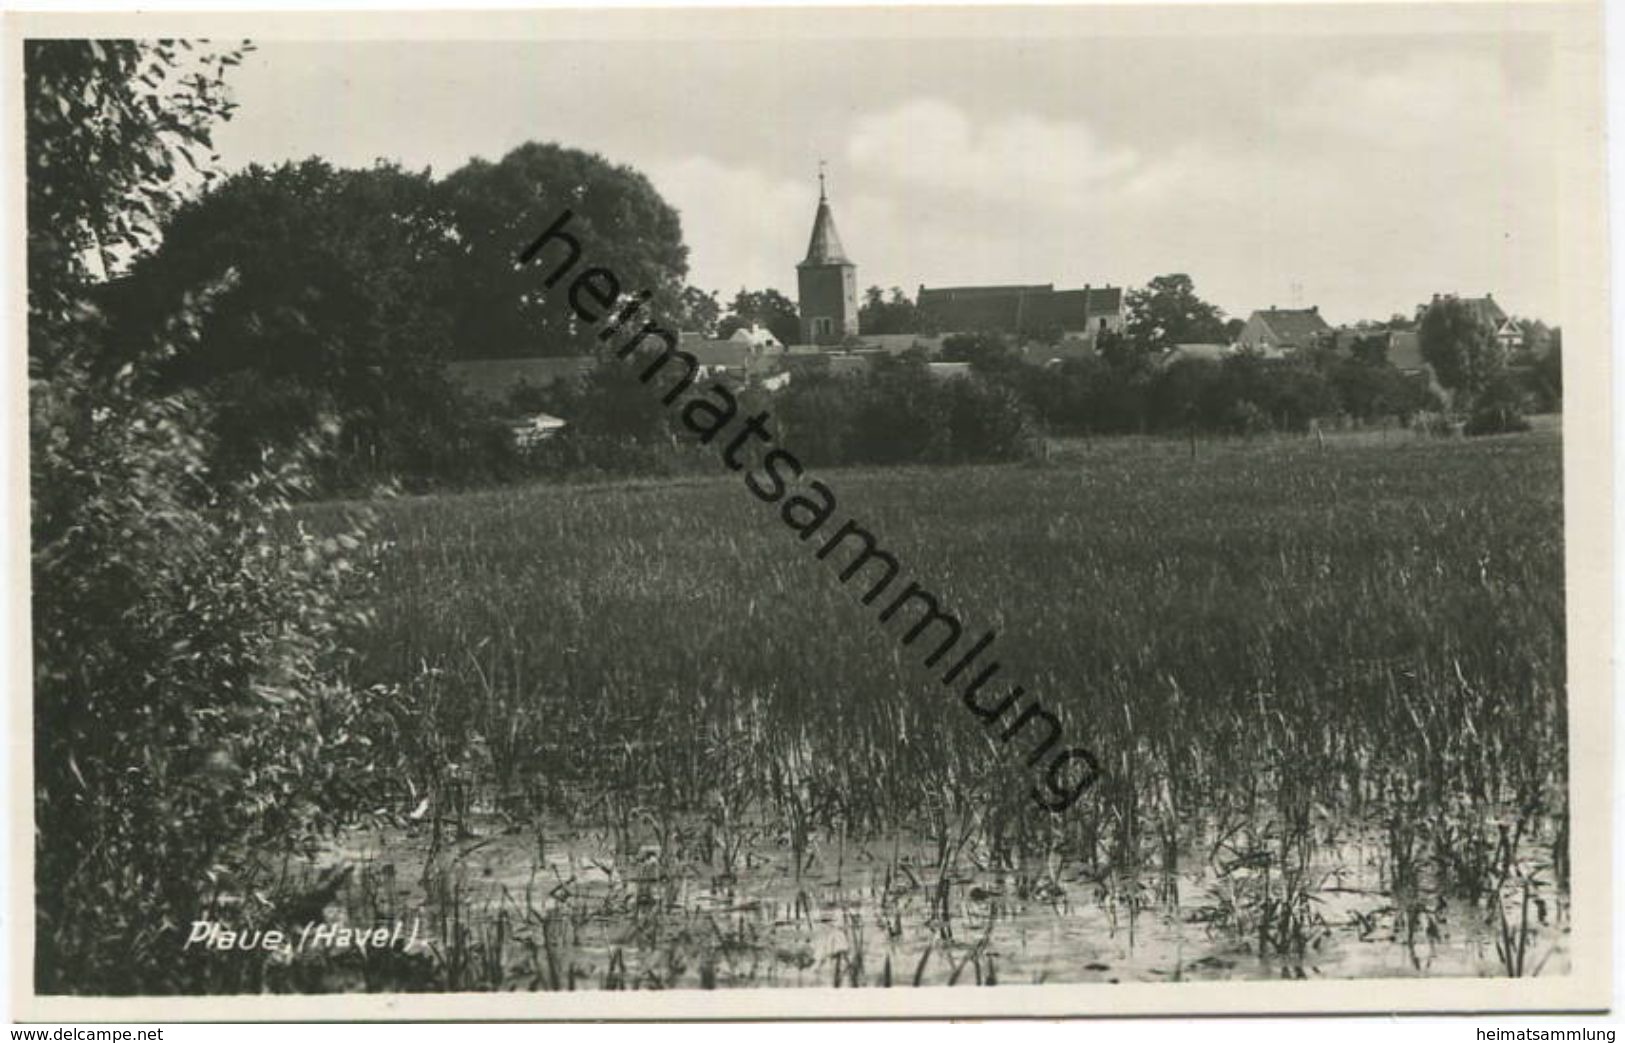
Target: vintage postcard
(810, 512)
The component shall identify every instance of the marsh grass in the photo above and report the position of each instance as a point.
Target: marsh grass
(1281, 651)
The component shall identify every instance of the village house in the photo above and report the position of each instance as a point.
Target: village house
(1401, 347)
(1277, 332)
(749, 353)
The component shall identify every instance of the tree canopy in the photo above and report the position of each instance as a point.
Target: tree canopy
(335, 305)
(1459, 343)
(881, 313)
(768, 308)
(1168, 312)
(111, 126)
(501, 309)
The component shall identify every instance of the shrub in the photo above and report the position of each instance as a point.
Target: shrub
(1495, 422)
(900, 415)
(988, 422)
(1499, 407)
(188, 717)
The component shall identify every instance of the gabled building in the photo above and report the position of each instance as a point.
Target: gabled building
(1022, 311)
(1276, 332)
(748, 352)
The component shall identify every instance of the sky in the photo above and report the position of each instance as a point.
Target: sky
(1359, 173)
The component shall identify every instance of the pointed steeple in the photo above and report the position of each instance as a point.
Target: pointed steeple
(825, 245)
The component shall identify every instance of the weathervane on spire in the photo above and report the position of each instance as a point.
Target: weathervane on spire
(821, 196)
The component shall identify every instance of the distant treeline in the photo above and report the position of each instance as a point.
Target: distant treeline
(898, 410)
(323, 305)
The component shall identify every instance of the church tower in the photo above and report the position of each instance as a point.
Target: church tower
(827, 283)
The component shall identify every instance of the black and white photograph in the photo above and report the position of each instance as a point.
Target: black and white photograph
(794, 512)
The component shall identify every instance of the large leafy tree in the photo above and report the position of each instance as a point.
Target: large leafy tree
(501, 308)
(1459, 343)
(699, 311)
(1548, 373)
(768, 308)
(881, 313)
(333, 310)
(1168, 312)
(989, 353)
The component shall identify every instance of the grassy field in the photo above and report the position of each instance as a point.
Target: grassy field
(1325, 684)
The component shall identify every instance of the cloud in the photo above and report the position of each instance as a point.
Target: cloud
(1419, 104)
(743, 226)
(931, 146)
(1366, 191)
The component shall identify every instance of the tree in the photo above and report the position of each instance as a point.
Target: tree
(1168, 312)
(1370, 350)
(503, 309)
(335, 310)
(988, 353)
(768, 308)
(698, 311)
(1547, 374)
(110, 126)
(1460, 345)
(1182, 397)
(880, 315)
(184, 636)
(987, 421)
(1537, 336)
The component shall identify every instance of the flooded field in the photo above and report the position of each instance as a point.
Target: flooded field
(515, 907)
(639, 737)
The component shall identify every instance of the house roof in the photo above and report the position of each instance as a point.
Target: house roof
(1485, 308)
(757, 336)
(1015, 309)
(1345, 337)
(825, 245)
(1295, 326)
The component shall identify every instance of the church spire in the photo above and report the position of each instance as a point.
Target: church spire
(826, 281)
(825, 245)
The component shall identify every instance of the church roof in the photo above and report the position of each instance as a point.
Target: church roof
(825, 245)
(1015, 309)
